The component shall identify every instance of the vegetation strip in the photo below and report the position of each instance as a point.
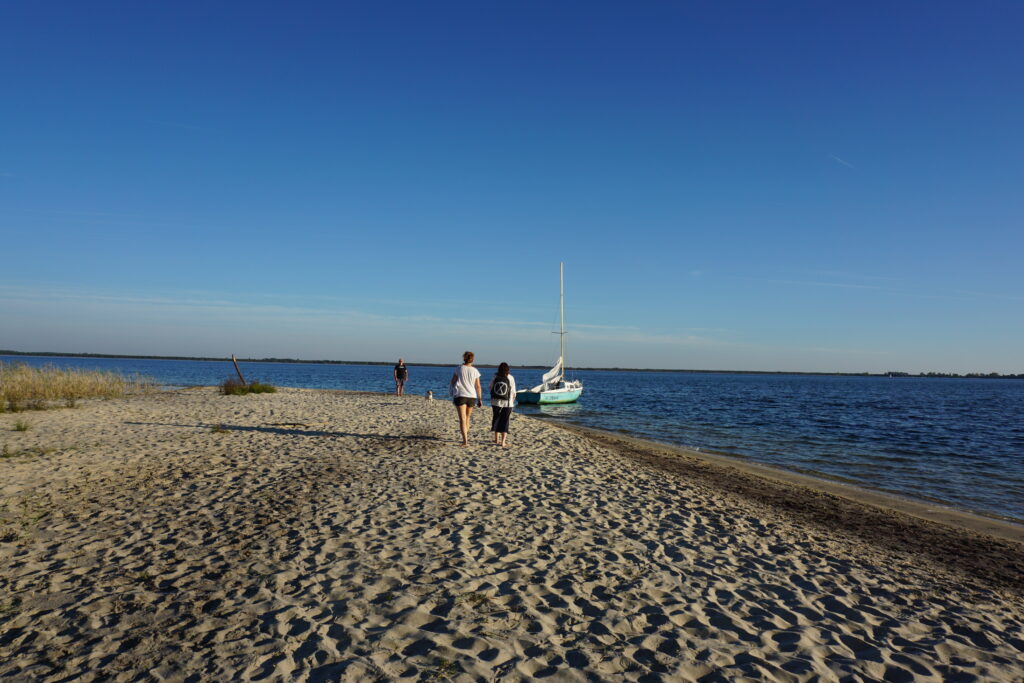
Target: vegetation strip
(23, 387)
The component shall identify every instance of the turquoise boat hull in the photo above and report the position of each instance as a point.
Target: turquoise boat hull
(548, 397)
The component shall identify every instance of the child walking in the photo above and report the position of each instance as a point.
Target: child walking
(503, 399)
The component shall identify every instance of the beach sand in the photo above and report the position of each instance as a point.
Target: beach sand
(346, 536)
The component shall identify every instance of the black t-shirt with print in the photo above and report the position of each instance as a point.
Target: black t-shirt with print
(401, 372)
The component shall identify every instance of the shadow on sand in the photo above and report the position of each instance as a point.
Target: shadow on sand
(271, 429)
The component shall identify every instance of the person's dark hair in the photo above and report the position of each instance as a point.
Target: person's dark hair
(467, 357)
(503, 370)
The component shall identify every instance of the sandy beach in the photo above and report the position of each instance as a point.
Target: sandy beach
(317, 535)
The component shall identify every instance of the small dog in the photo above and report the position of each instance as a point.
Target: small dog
(430, 395)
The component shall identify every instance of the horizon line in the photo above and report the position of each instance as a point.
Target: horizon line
(887, 373)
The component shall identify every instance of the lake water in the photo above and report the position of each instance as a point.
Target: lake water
(953, 441)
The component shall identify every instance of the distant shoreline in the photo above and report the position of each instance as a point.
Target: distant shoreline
(894, 374)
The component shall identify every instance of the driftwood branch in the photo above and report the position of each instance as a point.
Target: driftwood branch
(237, 370)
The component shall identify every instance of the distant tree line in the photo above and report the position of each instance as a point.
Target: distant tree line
(968, 375)
(891, 373)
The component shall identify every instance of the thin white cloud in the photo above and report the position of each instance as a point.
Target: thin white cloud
(810, 283)
(907, 291)
(854, 276)
(103, 218)
(989, 295)
(638, 337)
(195, 303)
(328, 301)
(836, 159)
(825, 349)
(69, 213)
(183, 126)
(582, 326)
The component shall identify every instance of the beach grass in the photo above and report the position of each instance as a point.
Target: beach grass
(234, 387)
(23, 387)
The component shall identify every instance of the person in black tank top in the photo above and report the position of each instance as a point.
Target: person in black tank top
(401, 374)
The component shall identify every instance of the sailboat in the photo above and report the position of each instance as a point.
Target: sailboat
(553, 387)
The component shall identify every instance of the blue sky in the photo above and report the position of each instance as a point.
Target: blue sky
(770, 186)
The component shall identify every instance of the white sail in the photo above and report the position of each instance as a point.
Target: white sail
(551, 377)
(553, 387)
(553, 374)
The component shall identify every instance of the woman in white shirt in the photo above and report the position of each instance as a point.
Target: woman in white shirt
(503, 399)
(465, 387)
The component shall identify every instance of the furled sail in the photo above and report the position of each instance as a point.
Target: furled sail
(550, 378)
(554, 373)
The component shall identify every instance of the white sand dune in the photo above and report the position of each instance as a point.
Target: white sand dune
(342, 536)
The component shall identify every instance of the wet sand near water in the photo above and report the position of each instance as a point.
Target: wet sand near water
(315, 535)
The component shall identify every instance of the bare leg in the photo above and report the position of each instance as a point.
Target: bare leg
(504, 439)
(464, 413)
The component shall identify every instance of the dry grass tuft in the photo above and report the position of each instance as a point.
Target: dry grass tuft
(25, 387)
(234, 387)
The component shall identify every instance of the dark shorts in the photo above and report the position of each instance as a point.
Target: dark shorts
(499, 419)
(464, 401)
(400, 381)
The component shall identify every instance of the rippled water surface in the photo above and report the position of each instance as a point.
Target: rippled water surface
(957, 441)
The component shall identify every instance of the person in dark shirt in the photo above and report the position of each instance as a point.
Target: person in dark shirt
(503, 400)
(401, 374)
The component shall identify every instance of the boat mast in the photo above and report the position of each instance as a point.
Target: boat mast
(561, 315)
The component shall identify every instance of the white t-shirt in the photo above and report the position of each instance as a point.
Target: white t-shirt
(465, 384)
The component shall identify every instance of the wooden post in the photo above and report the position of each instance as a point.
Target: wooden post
(237, 370)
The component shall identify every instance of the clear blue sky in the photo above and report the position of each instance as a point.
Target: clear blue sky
(772, 186)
